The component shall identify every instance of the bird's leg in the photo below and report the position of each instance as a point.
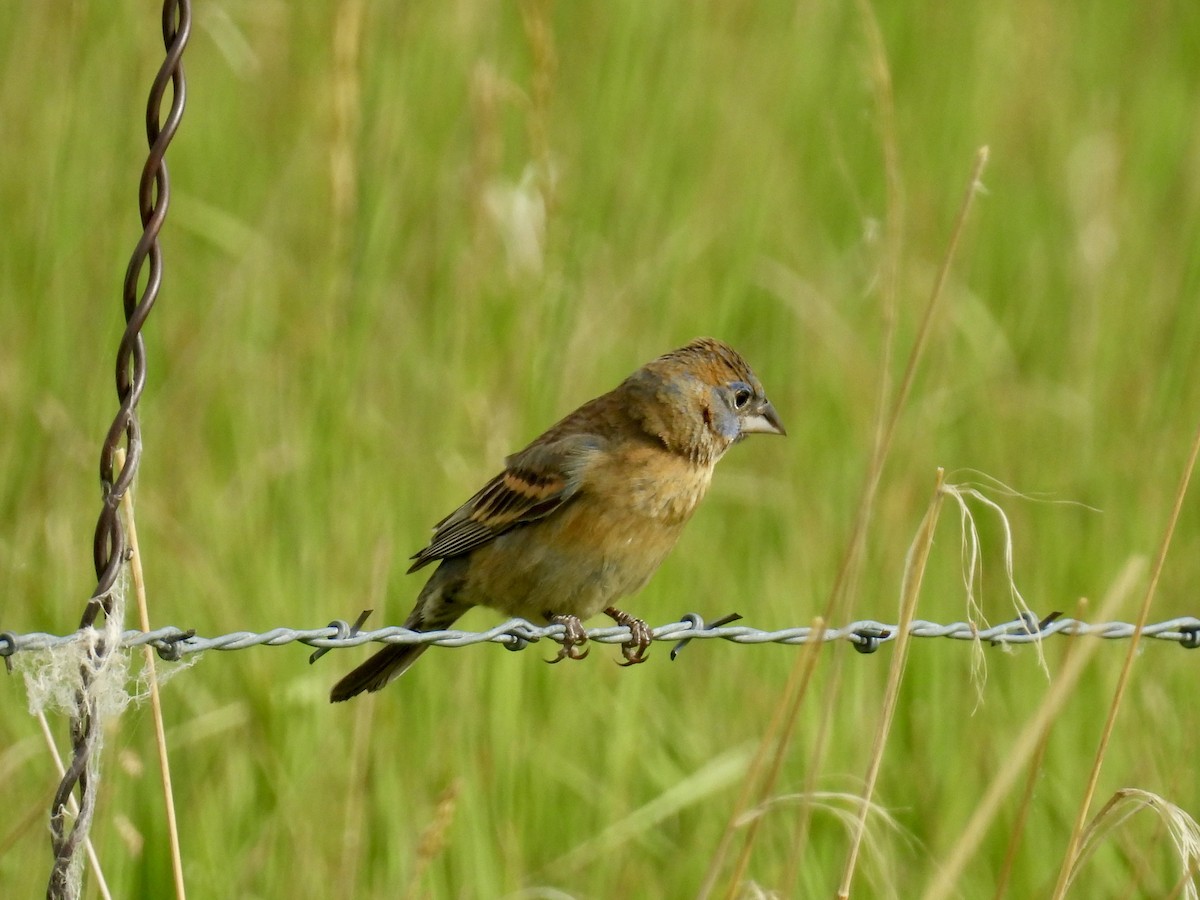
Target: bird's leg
(574, 637)
(634, 650)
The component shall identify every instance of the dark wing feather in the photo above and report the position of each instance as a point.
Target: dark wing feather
(536, 482)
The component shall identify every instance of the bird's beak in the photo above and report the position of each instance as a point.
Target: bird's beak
(765, 421)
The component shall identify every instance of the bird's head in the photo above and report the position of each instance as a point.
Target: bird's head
(701, 399)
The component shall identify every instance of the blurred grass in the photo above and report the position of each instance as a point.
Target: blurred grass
(346, 346)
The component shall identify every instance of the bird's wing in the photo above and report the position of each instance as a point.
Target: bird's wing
(535, 483)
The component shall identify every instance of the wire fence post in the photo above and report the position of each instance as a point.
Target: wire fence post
(110, 547)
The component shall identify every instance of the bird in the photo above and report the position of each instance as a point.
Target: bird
(585, 514)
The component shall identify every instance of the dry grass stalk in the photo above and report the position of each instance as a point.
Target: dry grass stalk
(1035, 768)
(1122, 806)
(160, 737)
(867, 501)
(73, 807)
(763, 785)
(1073, 847)
(914, 573)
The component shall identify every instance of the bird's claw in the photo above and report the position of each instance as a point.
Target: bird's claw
(640, 636)
(633, 654)
(574, 637)
(569, 651)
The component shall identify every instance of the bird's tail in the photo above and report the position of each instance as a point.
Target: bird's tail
(389, 663)
(436, 610)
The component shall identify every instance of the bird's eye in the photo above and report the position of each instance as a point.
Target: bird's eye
(741, 396)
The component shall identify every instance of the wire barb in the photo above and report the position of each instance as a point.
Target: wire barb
(8, 646)
(169, 648)
(1191, 637)
(110, 550)
(867, 640)
(344, 630)
(698, 623)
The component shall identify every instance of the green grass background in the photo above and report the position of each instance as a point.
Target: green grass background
(346, 347)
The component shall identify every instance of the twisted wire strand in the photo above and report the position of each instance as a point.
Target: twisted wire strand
(109, 545)
(515, 634)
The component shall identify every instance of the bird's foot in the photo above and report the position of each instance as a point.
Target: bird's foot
(634, 650)
(574, 637)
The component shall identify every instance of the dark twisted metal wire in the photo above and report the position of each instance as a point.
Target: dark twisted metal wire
(109, 547)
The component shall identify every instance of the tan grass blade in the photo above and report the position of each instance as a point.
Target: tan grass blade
(867, 500)
(73, 807)
(893, 231)
(148, 653)
(797, 681)
(1123, 805)
(888, 285)
(765, 783)
(914, 573)
(1031, 781)
(1069, 859)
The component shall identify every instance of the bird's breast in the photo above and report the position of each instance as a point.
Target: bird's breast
(604, 544)
(659, 486)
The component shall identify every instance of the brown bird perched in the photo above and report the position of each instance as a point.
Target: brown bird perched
(585, 514)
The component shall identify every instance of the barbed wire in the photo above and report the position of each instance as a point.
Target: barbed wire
(866, 635)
